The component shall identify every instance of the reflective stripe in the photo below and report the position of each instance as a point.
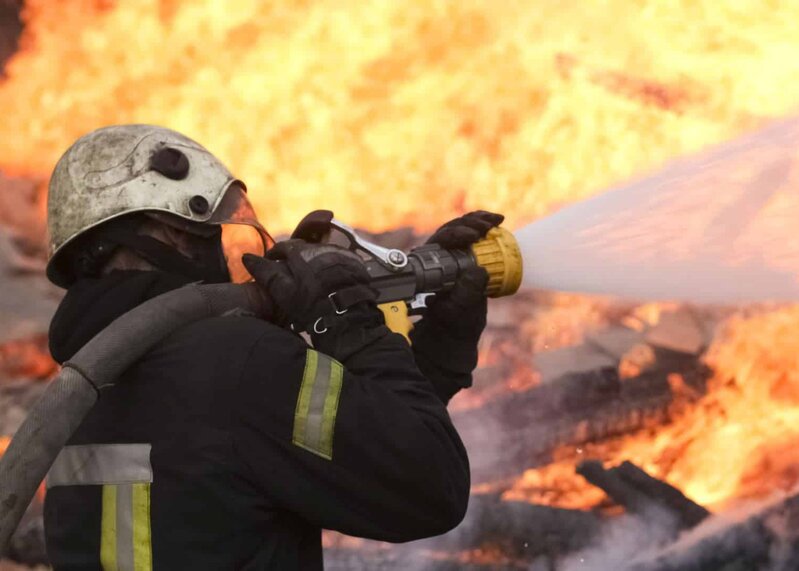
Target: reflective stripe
(125, 536)
(108, 530)
(124, 527)
(317, 404)
(331, 407)
(142, 538)
(95, 464)
(125, 473)
(313, 421)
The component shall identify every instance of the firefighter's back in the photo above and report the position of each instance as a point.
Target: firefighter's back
(152, 479)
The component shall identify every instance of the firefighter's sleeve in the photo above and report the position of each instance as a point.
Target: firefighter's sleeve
(360, 444)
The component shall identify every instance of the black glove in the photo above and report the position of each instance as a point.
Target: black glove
(319, 288)
(445, 339)
(307, 281)
(463, 309)
(462, 232)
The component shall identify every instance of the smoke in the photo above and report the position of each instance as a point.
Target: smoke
(759, 536)
(621, 540)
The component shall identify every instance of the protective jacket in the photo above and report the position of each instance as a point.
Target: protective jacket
(233, 443)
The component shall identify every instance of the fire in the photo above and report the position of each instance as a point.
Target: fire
(739, 442)
(27, 358)
(371, 109)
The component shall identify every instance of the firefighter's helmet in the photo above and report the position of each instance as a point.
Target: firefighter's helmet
(124, 169)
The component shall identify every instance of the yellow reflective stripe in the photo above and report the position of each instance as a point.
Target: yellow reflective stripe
(142, 539)
(331, 407)
(108, 529)
(125, 535)
(317, 404)
(304, 400)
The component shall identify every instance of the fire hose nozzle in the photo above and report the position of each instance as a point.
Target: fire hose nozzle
(430, 268)
(499, 254)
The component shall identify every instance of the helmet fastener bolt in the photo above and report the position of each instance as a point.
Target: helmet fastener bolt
(198, 204)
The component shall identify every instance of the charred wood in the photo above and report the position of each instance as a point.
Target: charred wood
(620, 491)
(767, 540)
(690, 514)
(521, 535)
(523, 530)
(639, 493)
(520, 430)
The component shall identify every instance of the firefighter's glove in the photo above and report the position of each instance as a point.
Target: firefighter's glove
(462, 310)
(462, 232)
(451, 327)
(311, 285)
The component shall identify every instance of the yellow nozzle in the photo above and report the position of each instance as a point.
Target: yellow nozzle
(499, 254)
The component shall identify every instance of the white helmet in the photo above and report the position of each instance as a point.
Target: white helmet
(124, 169)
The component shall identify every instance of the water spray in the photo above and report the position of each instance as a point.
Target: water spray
(716, 227)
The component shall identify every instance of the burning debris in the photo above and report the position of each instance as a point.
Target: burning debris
(580, 428)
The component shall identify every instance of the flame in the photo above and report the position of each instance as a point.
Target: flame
(27, 358)
(737, 443)
(370, 109)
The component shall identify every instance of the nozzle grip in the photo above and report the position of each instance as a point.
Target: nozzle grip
(432, 269)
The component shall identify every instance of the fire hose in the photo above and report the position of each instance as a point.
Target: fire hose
(397, 276)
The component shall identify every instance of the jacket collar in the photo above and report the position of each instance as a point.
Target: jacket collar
(93, 303)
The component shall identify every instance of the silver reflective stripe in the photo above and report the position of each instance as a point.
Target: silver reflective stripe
(94, 464)
(124, 516)
(313, 424)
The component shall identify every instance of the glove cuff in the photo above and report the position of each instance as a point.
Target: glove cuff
(348, 333)
(337, 304)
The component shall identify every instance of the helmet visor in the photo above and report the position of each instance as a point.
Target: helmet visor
(242, 233)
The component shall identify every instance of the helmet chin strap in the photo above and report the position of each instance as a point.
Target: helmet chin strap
(208, 264)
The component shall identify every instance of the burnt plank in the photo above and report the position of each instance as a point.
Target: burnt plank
(641, 494)
(520, 430)
(688, 512)
(620, 491)
(522, 529)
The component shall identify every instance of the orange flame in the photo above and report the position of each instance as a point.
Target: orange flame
(739, 442)
(401, 113)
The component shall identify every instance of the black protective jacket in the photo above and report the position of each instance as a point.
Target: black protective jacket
(233, 443)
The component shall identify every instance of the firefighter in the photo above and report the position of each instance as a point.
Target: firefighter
(234, 442)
